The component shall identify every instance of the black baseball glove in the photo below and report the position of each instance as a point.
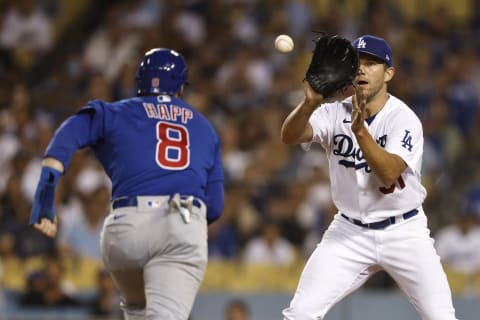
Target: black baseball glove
(334, 65)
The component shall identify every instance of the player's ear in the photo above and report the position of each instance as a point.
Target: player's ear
(388, 74)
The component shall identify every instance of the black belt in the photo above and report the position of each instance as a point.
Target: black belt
(131, 201)
(381, 224)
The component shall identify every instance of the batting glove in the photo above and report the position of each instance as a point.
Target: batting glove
(43, 201)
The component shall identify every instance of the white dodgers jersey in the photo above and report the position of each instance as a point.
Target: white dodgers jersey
(356, 190)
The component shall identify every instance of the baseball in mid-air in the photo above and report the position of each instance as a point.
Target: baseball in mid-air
(283, 43)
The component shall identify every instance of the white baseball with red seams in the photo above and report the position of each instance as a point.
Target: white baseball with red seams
(284, 43)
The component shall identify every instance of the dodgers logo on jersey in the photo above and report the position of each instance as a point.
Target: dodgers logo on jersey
(407, 141)
(352, 156)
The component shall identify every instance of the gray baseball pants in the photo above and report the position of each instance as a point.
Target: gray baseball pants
(156, 259)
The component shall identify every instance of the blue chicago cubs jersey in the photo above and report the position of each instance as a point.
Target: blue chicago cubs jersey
(152, 145)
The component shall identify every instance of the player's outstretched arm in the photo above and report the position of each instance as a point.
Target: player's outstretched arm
(42, 216)
(296, 128)
(73, 134)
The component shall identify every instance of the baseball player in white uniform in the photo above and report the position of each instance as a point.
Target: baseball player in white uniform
(374, 145)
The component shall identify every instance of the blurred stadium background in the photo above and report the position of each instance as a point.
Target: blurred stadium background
(56, 55)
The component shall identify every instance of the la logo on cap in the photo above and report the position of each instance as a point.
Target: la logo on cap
(361, 44)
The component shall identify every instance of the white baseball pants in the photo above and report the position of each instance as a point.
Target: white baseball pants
(349, 254)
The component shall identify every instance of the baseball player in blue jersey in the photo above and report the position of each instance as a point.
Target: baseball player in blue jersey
(164, 160)
(374, 145)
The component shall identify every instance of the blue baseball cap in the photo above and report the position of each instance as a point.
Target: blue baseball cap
(374, 46)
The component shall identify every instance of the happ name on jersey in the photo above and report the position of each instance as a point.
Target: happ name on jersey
(167, 112)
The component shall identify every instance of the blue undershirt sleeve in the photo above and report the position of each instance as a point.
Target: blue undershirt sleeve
(215, 199)
(74, 133)
(214, 190)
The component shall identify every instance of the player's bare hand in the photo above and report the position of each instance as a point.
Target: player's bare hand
(359, 111)
(47, 227)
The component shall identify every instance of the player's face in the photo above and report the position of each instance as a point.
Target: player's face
(373, 76)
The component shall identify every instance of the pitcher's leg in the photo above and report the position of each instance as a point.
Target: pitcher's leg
(410, 258)
(341, 263)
